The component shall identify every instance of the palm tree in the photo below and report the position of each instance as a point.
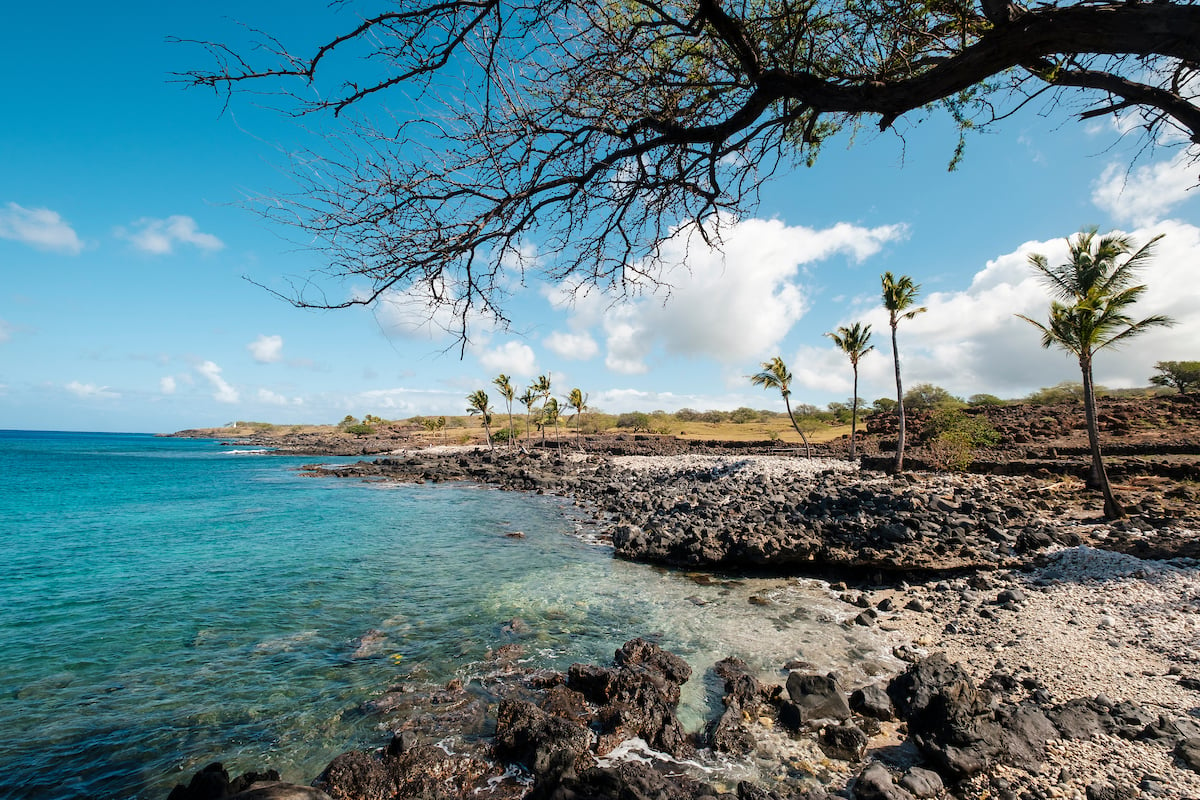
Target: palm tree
(775, 375)
(578, 401)
(542, 388)
(1090, 314)
(506, 391)
(477, 404)
(528, 399)
(853, 341)
(899, 294)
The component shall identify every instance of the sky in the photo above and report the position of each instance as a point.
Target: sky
(132, 268)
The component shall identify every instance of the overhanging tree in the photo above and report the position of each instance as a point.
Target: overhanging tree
(1094, 291)
(472, 134)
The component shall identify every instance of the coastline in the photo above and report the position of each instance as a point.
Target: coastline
(1036, 602)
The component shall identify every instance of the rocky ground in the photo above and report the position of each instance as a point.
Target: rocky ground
(1050, 653)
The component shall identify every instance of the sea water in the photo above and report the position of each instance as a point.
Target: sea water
(165, 603)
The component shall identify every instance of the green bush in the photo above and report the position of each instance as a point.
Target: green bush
(360, 429)
(635, 421)
(985, 400)
(926, 395)
(1065, 392)
(956, 436)
(743, 415)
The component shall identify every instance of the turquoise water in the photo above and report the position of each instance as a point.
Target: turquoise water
(165, 603)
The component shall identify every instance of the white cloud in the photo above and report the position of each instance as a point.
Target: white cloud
(510, 358)
(970, 341)
(576, 346)
(266, 349)
(86, 390)
(159, 236)
(732, 305)
(167, 385)
(1146, 194)
(224, 392)
(426, 313)
(275, 399)
(40, 228)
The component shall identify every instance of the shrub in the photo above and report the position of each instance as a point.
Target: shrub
(884, 405)
(504, 435)
(360, 429)
(743, 415)
(955, 437)
(1066, 392)
(926, 395)
(985, 400)
(635, 421)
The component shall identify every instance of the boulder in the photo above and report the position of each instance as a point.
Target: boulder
(540, 742)
(845, 742)
(812, 697)
(875, 783)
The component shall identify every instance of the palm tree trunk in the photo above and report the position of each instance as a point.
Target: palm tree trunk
(487, 430)
(899, 465)
(1097, 475)
(854, 412)
(807, 447)
(512, 432)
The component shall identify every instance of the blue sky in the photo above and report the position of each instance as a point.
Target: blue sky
(125, 248)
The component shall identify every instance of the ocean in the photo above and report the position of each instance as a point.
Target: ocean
(166, 603)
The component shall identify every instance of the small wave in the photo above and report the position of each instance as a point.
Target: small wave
(260, 452)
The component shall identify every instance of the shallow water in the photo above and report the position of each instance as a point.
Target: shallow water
(165, 603)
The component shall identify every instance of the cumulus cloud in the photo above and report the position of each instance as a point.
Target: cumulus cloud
(159, 236)
(426, 313)
(266, 349)
(733, 305)
(511, 358)
(224, 393)
(167, 385)
(88, 390)
(1146, 194)
(276, 399)
(577, 346)
(40, 228)
(970, 341)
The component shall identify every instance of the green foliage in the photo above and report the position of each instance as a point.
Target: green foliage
(1181, 375)
(502, 435)
(687, 415)
(956, 436)
(348, 421)
(884, 405)
(927, 396)
(743, 415)
(360, 429)
(1065, 392)
(635, 421)
(985, 400)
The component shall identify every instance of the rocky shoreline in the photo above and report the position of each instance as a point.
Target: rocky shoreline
(1045, 659)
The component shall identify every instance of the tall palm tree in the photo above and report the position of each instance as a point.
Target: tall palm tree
(899, 294)
(853, 341)
(477, 405)
(506, 391)
(1093, 295)
(542, 388)
(528, 399)
(578, 401)
(775, 375)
